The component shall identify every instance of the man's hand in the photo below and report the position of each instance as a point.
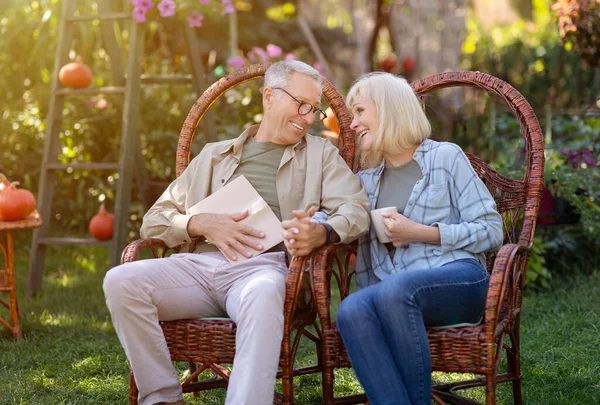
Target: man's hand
(301, 235)
(403, 231)
(225, 232)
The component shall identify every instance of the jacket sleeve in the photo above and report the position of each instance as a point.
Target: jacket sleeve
(480, 227)
(343, 197)
(167, 219)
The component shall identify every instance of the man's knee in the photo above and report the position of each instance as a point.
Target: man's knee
(118, 282)
(263, 298)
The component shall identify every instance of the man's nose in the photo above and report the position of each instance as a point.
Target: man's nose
(309, 118)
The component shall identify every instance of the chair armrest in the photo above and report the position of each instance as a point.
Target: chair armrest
(506, 287)
(321, 268)
(293, 287)
(132, 251)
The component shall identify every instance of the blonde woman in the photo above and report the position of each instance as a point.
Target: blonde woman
(432, 273)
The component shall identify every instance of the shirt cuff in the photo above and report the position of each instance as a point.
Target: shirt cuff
(339, 223)
(179, 229)
(444, 229)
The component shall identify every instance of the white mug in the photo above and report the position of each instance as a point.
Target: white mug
(377, 221)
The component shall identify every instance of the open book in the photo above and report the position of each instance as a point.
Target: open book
(237, 196)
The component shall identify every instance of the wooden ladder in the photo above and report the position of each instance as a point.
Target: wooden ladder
(129, 88)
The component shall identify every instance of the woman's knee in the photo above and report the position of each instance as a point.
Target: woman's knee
(397, 290)
(353, 308)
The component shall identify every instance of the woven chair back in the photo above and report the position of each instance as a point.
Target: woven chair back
(217, 89)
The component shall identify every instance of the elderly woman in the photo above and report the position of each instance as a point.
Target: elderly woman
(432, 273)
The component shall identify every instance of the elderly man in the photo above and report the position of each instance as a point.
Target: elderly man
(308, 174)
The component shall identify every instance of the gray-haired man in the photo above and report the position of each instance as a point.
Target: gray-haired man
(307, 172)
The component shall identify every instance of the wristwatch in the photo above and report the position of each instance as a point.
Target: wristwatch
(329, 230)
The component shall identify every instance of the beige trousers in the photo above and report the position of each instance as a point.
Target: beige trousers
(188, 285)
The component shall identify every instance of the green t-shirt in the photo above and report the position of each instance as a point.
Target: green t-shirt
(259, 164)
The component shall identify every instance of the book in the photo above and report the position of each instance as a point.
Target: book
(237, 196)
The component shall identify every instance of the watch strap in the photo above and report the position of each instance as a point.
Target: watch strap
(329, 230)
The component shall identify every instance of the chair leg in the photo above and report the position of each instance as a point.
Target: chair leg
(193, 369)
(515, 361)
(327, 382)
(133, 390)
(490, 388)
(287, 383)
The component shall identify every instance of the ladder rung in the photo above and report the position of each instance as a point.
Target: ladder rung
(72, 241)
(101, 17)
(91, 166)
(93, 90)
(168, 79)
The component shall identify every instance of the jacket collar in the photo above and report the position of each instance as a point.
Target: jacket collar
(238, 144)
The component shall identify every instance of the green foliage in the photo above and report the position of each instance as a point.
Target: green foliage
(529, 55)
(579, 24)
(571, 172)
(537, 272)
(91, 126)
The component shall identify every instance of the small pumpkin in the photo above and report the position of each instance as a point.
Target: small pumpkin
(408, 64)
(16, 203)
(76, 75)
(331, 121)
(101, 225)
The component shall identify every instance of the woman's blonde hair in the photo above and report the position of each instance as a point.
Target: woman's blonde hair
(402, 121)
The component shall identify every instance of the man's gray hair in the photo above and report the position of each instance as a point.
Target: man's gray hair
(278, 74)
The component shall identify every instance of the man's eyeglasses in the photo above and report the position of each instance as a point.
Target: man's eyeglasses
(305, 108)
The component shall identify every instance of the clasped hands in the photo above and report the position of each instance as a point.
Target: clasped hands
(301, 235)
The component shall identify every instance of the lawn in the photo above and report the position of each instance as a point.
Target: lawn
(71, 354)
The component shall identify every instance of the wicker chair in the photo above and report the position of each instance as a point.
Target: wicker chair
(205, 344)
(476, 349)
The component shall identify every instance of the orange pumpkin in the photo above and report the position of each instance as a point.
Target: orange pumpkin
(331, 121)
(76, 75)
(16, 203)
(101, 225)
(408, 64)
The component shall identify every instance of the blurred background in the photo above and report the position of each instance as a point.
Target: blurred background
(548, 50)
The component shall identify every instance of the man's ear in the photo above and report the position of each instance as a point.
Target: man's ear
(268, 95)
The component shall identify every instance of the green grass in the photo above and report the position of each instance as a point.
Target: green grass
(71, 355)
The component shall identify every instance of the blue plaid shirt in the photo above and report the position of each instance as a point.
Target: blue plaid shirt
(450, 196)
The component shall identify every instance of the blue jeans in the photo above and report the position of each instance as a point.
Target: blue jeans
(383, 327)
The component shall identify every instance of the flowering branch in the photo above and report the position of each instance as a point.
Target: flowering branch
(168, 8)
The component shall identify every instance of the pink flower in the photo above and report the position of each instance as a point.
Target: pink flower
(101, 104)
(139, 14)
(228, 8)
(273, 51)
(319, 67)
(145, 5)
(236, 61)
(166, 8)
(204, 2)
(261, 53)
(195, 18)
(291, 56)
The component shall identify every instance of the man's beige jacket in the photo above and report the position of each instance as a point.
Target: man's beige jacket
(311, 172)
